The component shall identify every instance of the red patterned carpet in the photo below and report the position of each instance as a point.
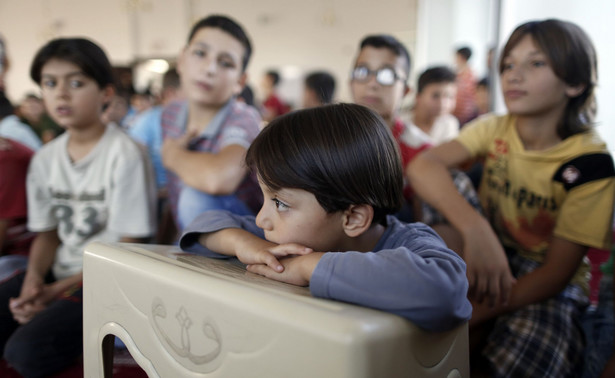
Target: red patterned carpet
(124, 366)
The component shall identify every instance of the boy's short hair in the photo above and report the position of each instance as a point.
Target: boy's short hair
(391, 43)
(465, 52)
(435, 75)
(83, 53)
(229, 26)
(6, 108)
(344, 154)
(323, 85)
(483, 83)
(171, 79)
(275, 77)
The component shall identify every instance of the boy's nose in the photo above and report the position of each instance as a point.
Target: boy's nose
(262, 220)
(209, 66)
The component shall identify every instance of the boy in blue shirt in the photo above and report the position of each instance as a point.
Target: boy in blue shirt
(331, 176)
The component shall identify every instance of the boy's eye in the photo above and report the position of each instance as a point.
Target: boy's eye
(48, 83)
(198, 52)
(281, 206)
(76, 84)
(227, 63)
(538, 63)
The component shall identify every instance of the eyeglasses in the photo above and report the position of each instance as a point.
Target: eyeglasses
(384, 76)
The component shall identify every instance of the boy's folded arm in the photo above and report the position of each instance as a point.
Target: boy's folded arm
(208, 223)
(218, 174)
(428, 288)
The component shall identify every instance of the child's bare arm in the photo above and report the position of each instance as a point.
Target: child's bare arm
(218, 174)
(487, 267)
(562, 261)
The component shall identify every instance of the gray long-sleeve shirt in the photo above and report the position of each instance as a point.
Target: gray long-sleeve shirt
(410, 273)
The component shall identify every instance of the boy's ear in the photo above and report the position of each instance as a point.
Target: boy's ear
(574, 91)
(407, 90)
(243, 79)
(180, 60)
(108, 93)
(357, 219)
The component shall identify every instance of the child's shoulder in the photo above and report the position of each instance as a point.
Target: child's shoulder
(241, 109)
(402, 234)
(119, 142)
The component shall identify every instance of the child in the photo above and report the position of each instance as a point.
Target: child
(206, 136)
(330, 177)
(318, 89)
(465, 107)
(91, 183)
(545, 170)
(435, 100)
(273, 106)
(379, 81)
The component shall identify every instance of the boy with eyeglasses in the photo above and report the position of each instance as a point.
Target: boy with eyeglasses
(379, 82)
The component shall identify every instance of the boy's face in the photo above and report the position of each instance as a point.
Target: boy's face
(437, 98)
(383, 99)
(210, 68)
(295, 216)
(529, 85)
(72, 99)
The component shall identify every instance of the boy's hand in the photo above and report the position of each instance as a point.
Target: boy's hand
(27, 305)
(267, 253)
(172, 148)
(488, 272)
(297, 270)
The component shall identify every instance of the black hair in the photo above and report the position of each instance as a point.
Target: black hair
(6, 108)
(344, 154)
(171, 79)
(391, 43)
(247, 95)
(572, 57)
(83, 53)
(465, 52)
(323, 85)
(229, 26)
(484, 82)
(275, 77)
(435, 75)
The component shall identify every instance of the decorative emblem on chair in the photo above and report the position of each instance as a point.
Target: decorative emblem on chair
(209, 329)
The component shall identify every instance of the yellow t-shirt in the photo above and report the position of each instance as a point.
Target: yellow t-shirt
(567, 190)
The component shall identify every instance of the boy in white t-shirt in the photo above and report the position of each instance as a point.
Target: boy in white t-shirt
(91, 183)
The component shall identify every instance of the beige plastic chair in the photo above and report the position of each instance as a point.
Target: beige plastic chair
(190, 316)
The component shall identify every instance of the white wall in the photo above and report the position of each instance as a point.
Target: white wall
(294, 36)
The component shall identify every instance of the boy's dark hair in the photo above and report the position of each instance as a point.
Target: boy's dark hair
(572, 58)
(6, 108)
(435, 75)
(275, 77)
(229, 26)
(344, 154)
(465, 52)
(83, 53)
(391, 43)
(323, 85)
(484, 82)
(171, 79)
(247, 95)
